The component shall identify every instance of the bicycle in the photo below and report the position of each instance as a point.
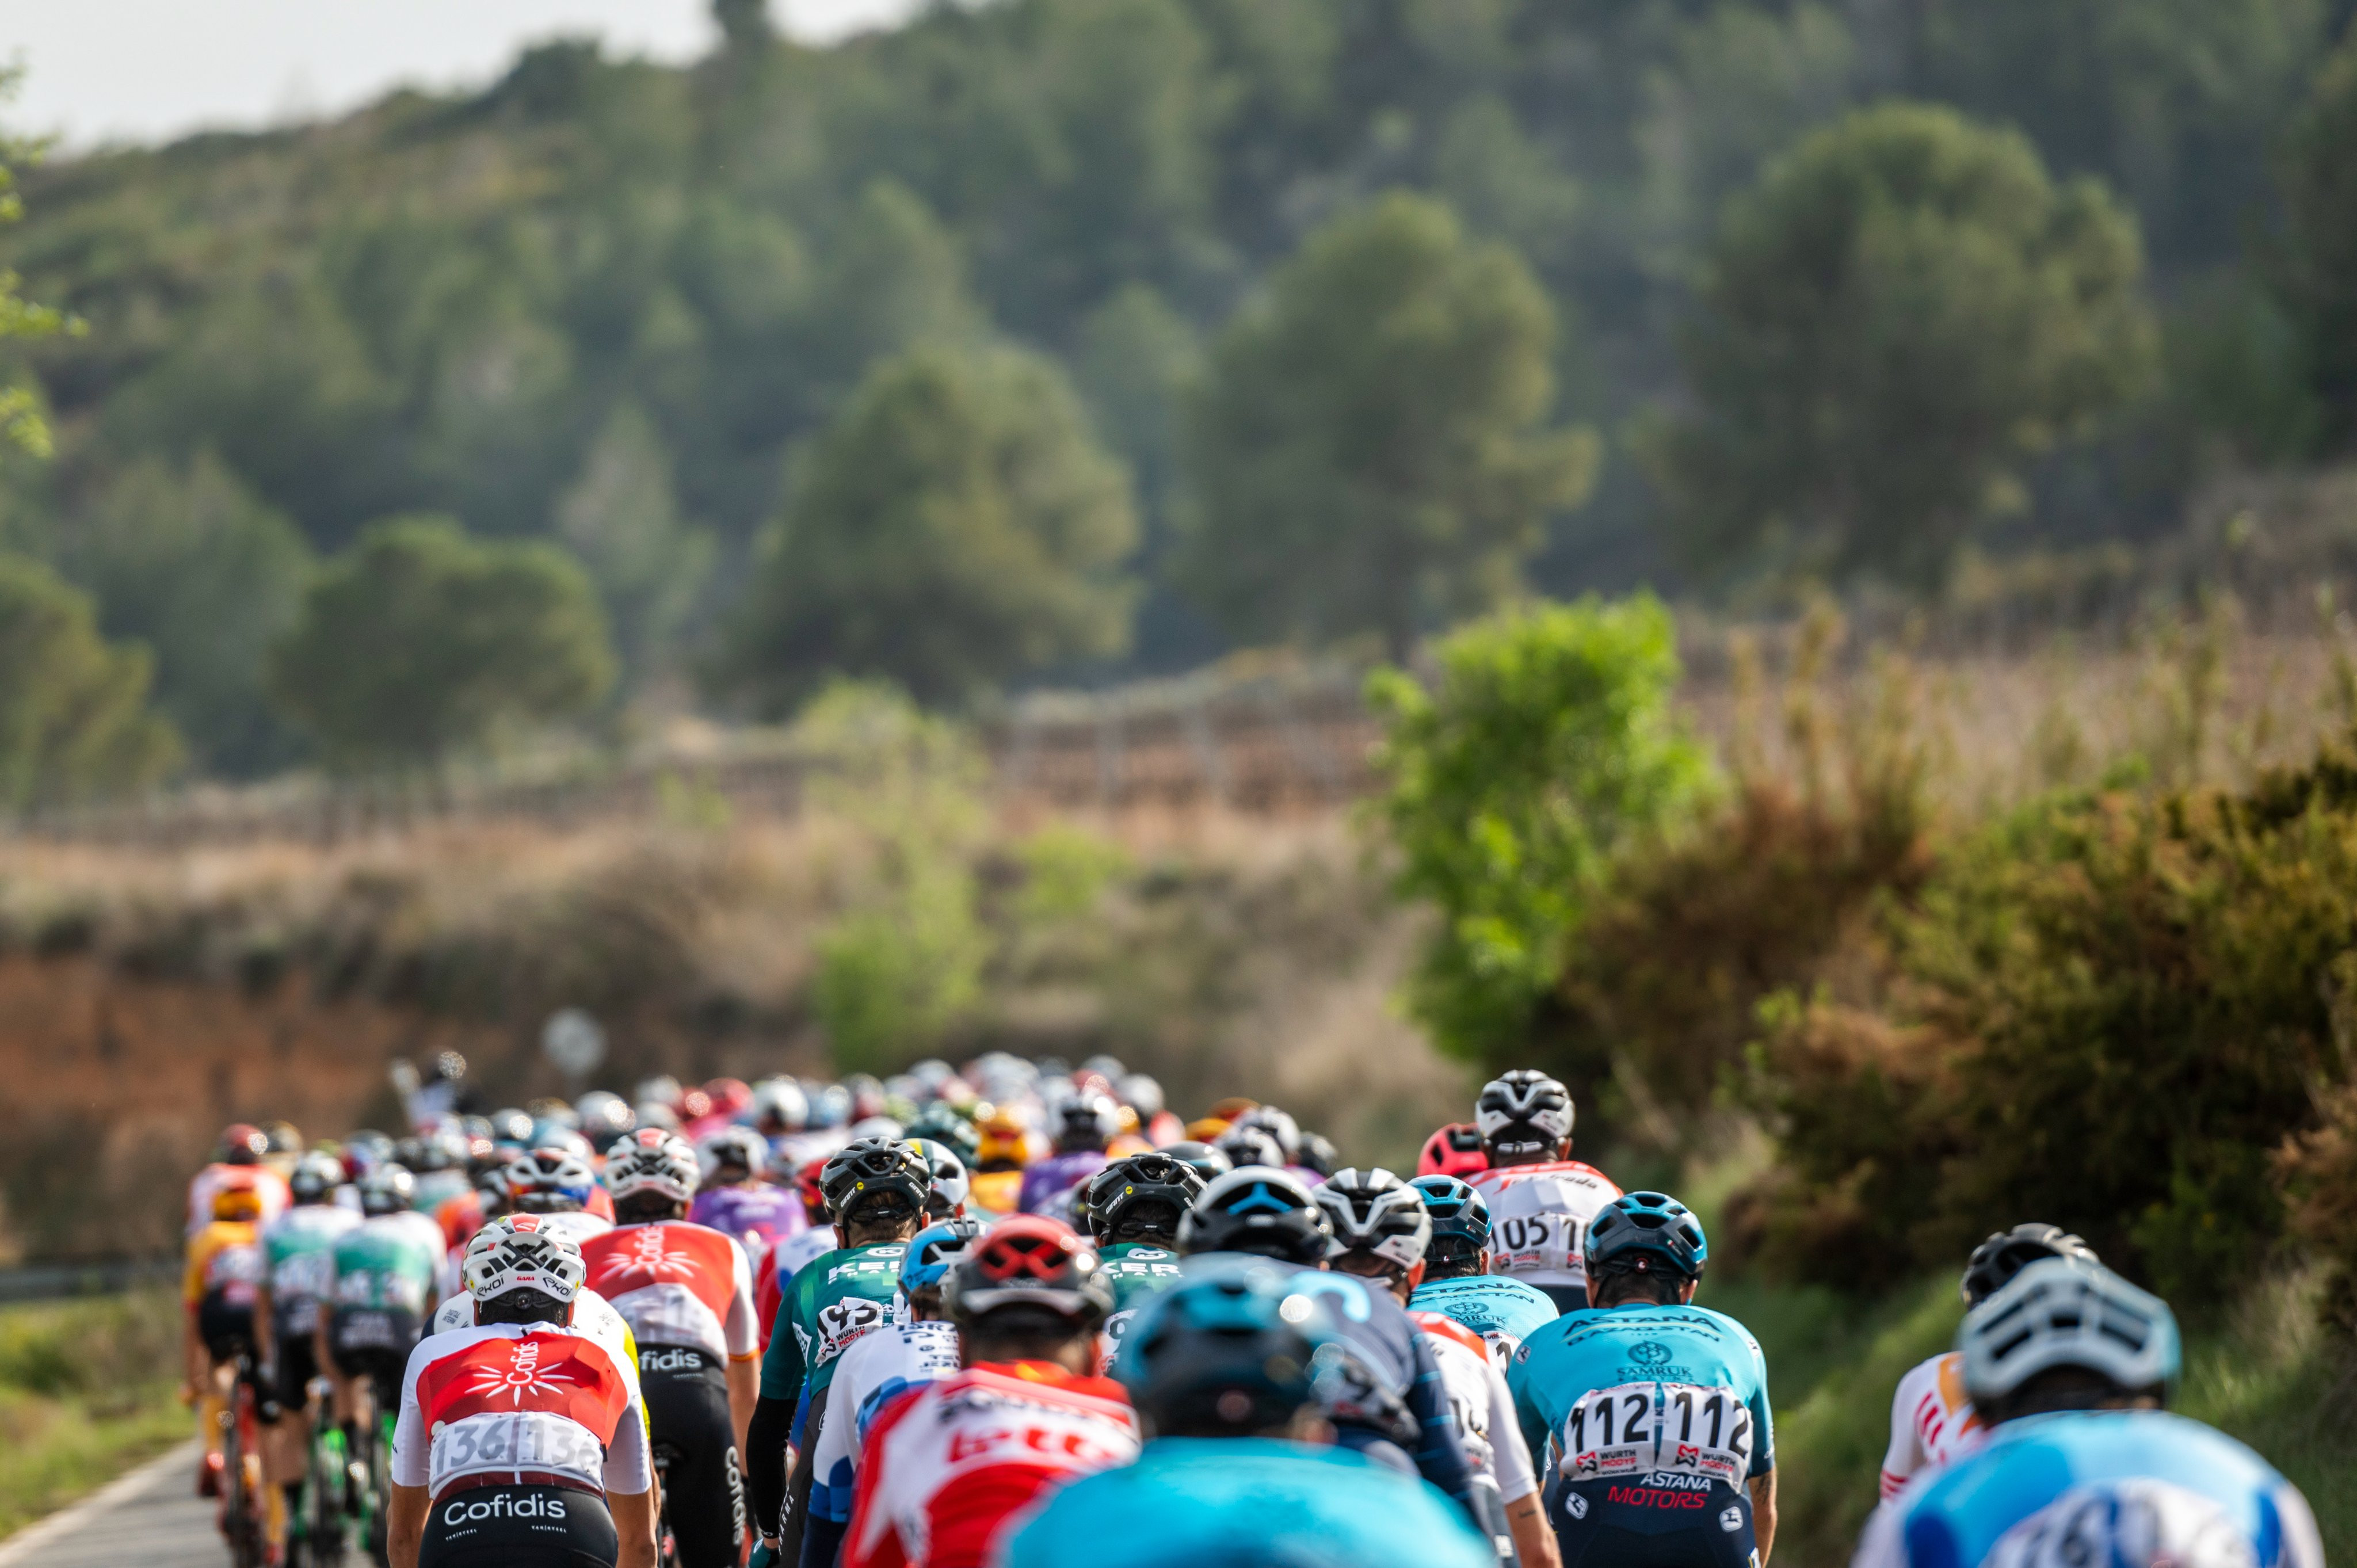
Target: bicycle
(666, 1544)
(327, 1488)
(242, 1522)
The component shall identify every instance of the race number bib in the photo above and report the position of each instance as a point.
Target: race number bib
(1637, 1428)
(514, 1440)
(841, 1322)
(302, 1276)
(379, 1287)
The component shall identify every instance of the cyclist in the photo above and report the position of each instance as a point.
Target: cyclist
(2070, 1366)
(1540, 1198)
(687, 1290)
(736, 1197)
(1454, 1151)
(1004, 1146)
(556, 1184)
(1238, 1465)
(522, 1440)
(298, 1273)
(237, 1162)
(1457, 1279)
(1932, 1419)
(874, 1191)
(948, 1466)
(946, 1199)
(592, 1313)
(1086, 1124)
(790, 1255)
(1657, 1408)
(1403, 1410)
(218, 1287)
(1133, 1207)
(1286, 1134)
(388, 1272)
(1381, 1233)
(1204, 1159)
(920, 1348)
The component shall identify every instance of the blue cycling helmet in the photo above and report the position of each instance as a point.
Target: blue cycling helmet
(935, 1248)
(1460, 1222)
(1227, 1352)
(1643, 1233)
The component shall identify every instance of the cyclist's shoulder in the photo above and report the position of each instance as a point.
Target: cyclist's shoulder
(2093, 1444)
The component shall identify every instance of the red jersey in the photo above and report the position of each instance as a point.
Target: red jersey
(513, 1396)
(678, 1283)
(948, 1465)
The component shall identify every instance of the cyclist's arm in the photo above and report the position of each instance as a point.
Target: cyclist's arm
(405, 1519)
(634, 1524)
(266, 1326)
(1905, 1454)
(405, 1525)
(1439, 1457)
(767, 1439)
(1763, 1512)
(742, 1333)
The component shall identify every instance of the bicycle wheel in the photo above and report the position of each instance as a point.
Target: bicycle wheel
(380, 1473)
(323, 1496)
(240, 1508)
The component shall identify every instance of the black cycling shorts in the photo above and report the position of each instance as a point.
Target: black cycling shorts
(686, 1393)
(1659, 1520)
(226, 1327)
(374, 1342)
(298, 1363)
(519, 1527)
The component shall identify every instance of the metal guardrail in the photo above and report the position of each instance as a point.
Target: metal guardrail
(60, 1281)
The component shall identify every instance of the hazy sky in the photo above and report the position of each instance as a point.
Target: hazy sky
(148, 70)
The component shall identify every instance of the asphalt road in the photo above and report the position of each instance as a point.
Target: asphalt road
(151, 1518)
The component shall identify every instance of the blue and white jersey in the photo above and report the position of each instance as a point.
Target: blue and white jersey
(2098, 1489)
(1190, 1501)
(1502, 1310)
(1636, 1390)
(874, 1372)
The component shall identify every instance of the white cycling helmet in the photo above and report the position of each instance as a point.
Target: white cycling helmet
(540, 1180)
(2067, 1312)
(652, 1161)
(733, 1146)
(1279, 1125)
(780, 1101)
(950, 1183)
(519, 1256)
(1373, 1211)
(1524, 1099)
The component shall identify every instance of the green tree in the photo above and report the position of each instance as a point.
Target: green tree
(419, 641)
(73, 715)
(956, 525)
(186, 560)
(22, 425)
(1903, 311)
(1369, 452)
(622, 519)
(1546, 744)
(2316, 266)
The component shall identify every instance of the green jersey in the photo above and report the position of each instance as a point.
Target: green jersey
(393, 1261)
(832, 1300)
(1138, 1271)
(299, 1261)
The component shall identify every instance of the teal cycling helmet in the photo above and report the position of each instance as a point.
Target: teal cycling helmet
(1460, 1219)
(935, 1248)
(1230, 1350)
(1645, 1232)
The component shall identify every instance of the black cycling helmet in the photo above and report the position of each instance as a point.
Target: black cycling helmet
(1460, 1222)
(1141, 1198)
(1249, 1145)
(875, 1172)
(2007, 1252)
(1319, 1153)
(1207, 1162)
(938, 1123)
(1261, 1210)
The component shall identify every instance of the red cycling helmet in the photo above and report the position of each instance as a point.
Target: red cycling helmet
(1028, 1260)
(811, 1182)
(241, 1145)
(728, 1095)
(1455, 1151)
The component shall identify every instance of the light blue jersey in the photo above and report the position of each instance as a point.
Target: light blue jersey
(1495, 1306)
(2102, 1489)
(1635, 1391)
(1242, 1502)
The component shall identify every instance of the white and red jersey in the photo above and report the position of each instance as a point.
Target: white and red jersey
(527, 1399)
(1538, 1218)
(1480, 1406)
(786, 1259)
(268, 1186)
(1933, 1422)
(948, 1465)
(679, 1284)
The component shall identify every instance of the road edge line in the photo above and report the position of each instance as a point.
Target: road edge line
(42, 1530)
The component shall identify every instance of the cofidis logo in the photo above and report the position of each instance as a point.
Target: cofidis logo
(500, 1505)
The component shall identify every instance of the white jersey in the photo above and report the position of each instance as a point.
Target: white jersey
(1933, 1422)
(574, 1225)
(878, 1368)
(1538, 1218)
(680, 1284)
(592, 1314)
(1481, 1407)
(521, 1400)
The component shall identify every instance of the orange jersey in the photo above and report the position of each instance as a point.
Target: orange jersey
(226, 1255)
